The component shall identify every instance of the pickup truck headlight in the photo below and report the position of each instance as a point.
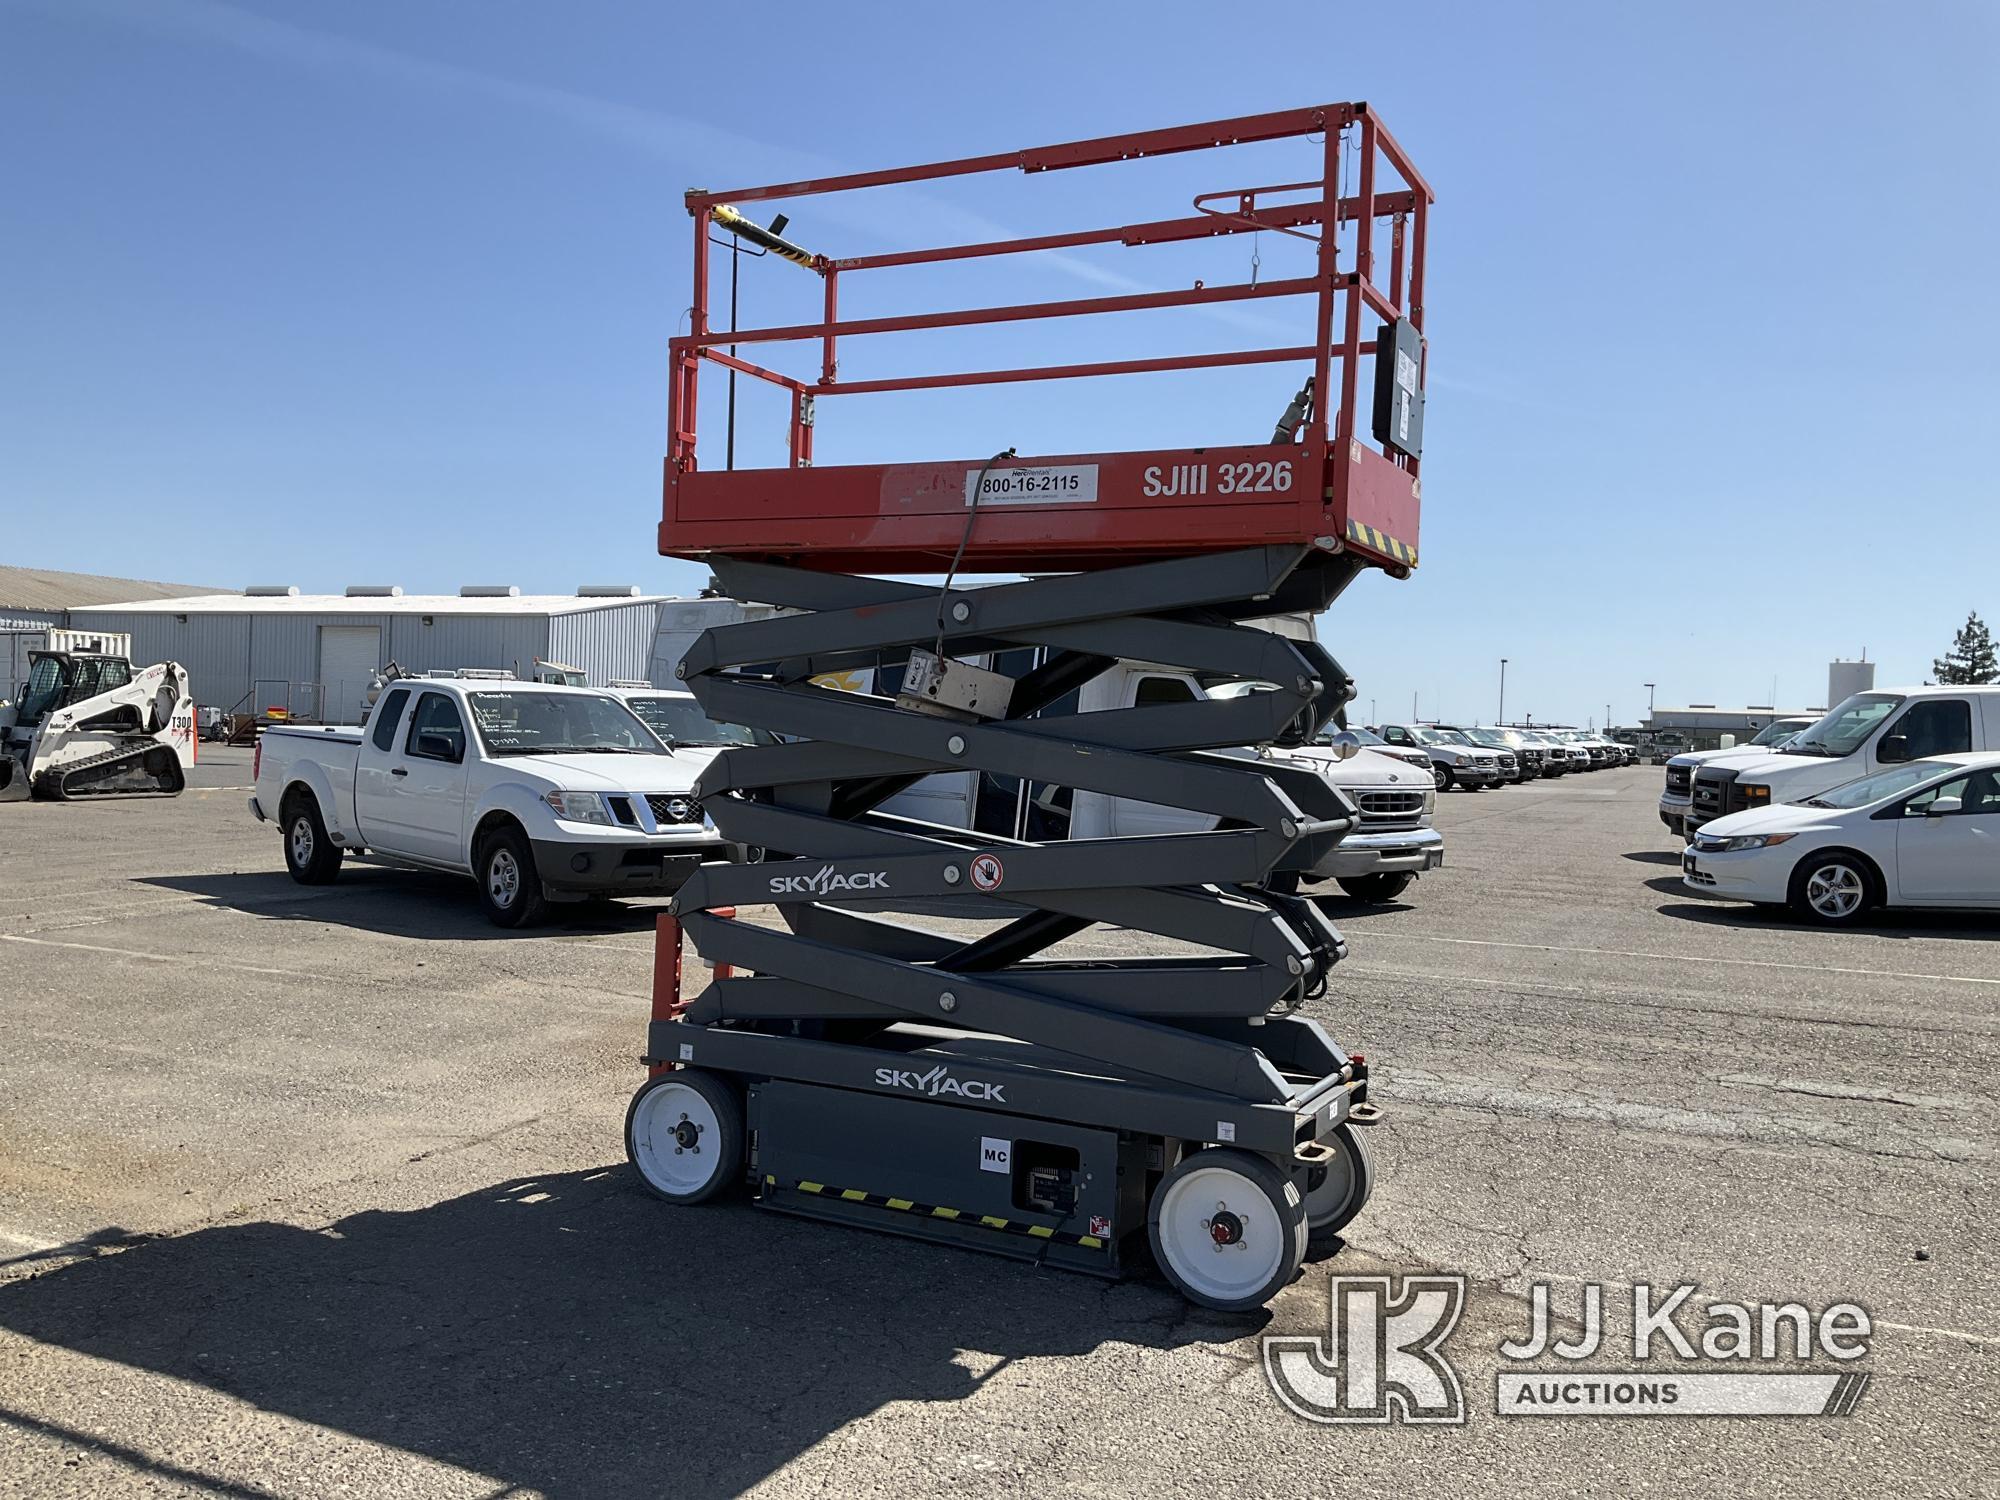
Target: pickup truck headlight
(577, 807)
(1754, 794)
(1430, 800)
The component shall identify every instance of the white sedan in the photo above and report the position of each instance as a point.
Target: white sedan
(1922, 834)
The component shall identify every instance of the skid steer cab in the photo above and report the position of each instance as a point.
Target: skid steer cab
(88, 725)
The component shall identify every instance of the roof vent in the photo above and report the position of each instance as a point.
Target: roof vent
(608, 591)
(272, 591)
(490, 591)
(1701, 705)
(374, 591)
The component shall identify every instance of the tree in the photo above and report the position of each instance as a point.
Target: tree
(1971, 658)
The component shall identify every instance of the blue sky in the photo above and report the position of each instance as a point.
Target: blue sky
(380, 292)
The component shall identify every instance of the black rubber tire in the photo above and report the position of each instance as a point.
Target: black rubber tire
(1441, 774)
(1863, 873)
(1385, 886)
(1341, 1190)
(724, 1101)
(311, 858)
(526, 905)
(1260, 1178)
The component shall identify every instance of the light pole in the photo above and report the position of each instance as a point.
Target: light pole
(1649, 701)
(1503, 690)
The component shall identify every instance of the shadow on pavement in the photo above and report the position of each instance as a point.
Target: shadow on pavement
(1673, 885)
(573, 1335)
(1655, 856)
(1957, 926)
(401, 903)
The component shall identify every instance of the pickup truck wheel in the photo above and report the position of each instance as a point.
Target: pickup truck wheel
(1441, 774)
(310, 856)
(1385, 886)
(510, 887)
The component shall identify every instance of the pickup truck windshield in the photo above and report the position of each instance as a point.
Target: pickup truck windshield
(1882, 784)
(1844, 730)
(1778, 731)
(680, 721)
(523, 723)
(1326, 735)
(1440, 737)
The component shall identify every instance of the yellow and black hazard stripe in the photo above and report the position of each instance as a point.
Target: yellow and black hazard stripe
(1380, 541)
(725, 216)
(952, 1215)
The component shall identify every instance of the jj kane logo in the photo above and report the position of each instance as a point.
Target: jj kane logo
(938, 1083)
(1382, 1359)
(825, 882)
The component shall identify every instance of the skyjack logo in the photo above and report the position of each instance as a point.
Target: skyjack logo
(824, 882)
(938, 1083)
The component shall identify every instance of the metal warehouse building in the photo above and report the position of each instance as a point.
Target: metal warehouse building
(313, 655)
(36, 598)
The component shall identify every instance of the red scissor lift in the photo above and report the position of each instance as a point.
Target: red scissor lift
(996, 1091)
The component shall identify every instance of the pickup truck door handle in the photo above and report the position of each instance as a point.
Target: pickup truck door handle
(400, 771)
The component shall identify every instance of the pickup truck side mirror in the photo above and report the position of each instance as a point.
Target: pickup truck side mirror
(1344, 745)
(437, 746)
(1944, 806)
(1895, 747)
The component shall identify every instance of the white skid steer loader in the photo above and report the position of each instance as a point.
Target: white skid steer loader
(87, 725)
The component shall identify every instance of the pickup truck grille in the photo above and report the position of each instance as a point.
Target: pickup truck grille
(1377, 805)
(1679, 779)
(1711, 794)
(673, 807)
(1509, 765)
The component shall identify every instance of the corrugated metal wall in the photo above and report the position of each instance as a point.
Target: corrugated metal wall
(29, 619)
(268, 660)
(609, 644)
(511, 642)
(215, 649)
(254, 660)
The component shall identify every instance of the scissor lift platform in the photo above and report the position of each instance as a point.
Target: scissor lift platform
(1345, 481)
(998, 1089)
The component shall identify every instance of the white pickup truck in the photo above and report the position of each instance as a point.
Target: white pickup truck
(1862, 735)
(1679, 793)
(542, 793)
(1394, 844)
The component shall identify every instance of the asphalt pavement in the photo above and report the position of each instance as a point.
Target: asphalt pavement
(321, 1191)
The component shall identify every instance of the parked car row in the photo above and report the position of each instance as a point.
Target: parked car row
(1891, 799)
(1475, 757)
